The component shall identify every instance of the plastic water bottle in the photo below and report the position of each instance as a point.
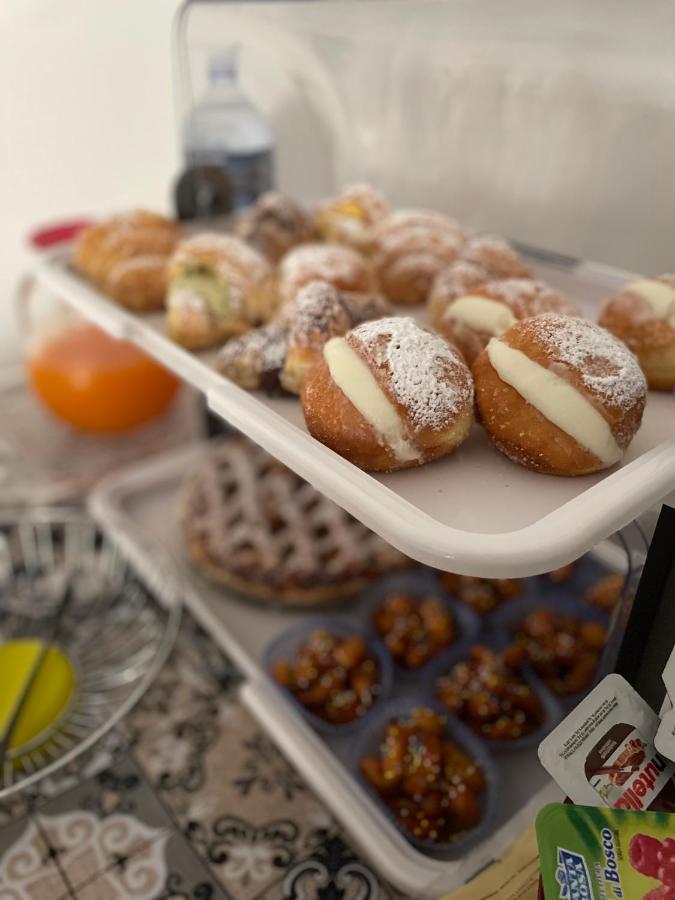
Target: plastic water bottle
(225, 131)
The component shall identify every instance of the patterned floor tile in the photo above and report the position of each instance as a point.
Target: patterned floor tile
(27, 869)
(101, 756)
(244, 808)
(196, 677)
(104, 822)
(166, 870)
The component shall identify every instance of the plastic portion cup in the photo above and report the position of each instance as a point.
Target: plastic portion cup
(368, 743)
(286, 646)
(552, 708)
(419, 584)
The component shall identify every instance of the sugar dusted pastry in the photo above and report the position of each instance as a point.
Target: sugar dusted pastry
(411, 248)
(255, 360)
(559, 395)
(350, 217)
(215, 285)
(642, 315)
(126, 257)
(274, 224)
(489, 309)
(277, 356)
(460, 277)
(318, 314)
(389, 395)
(496, 256)
(340, 266)
(483, 258)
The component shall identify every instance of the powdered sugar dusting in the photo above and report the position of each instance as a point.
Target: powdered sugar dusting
(407, 218)
(460, 277)
(265, 348)
(148, 262)
(496, 255)
(445, 244)
(607, 366)
(318, 309)
(426, 375)
(231, 250)
(325, 262)
(528, 297)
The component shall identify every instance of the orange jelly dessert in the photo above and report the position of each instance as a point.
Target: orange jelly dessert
(97, 383)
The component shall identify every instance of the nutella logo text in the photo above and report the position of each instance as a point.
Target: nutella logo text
(642, 786)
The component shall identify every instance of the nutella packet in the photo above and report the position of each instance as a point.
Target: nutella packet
(603, 753)
(665, 736)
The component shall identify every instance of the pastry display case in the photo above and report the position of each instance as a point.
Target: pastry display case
(443, 106)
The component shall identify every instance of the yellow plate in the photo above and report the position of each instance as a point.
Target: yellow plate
(49, 697)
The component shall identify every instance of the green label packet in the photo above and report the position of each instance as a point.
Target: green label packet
(598, 853)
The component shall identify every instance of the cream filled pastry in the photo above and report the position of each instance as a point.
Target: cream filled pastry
(338, 265)
(489, 309)
(411, 248)
(350, 217)
(389, 395)
(559, 395)
(215, 281)
(642, 315)
(483, 258)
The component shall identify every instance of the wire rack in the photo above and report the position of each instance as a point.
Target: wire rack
(116, 633)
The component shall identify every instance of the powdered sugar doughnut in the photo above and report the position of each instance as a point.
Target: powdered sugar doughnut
(487, 310)
(559, 395)
(318, 314)
(350, 217)
(389, 395)
(411, 247)
(274, 224)
(460, 277)
(340, 266)
(483, 258)
(643, 316)
(496, 256)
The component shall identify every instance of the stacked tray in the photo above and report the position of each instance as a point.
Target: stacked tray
(474, 512)
(136, 505)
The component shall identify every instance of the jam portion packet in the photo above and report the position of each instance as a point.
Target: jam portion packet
(603, 753)
(665, 736)
(595, 853)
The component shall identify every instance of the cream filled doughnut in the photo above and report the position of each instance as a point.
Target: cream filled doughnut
(483, 258)
(389, 395)
(559, 395)
(411, 248)
(488, 310)
(642, 315)
(496, 256)
(338, 265)
(318, 314)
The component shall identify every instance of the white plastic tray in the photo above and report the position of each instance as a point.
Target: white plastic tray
(474, 512)
(137, 507)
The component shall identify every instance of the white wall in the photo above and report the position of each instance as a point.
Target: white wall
(86, 117)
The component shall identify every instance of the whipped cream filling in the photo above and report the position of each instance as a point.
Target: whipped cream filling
(354, 378)
(661, 297)
(481, 314)
(556, 399)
